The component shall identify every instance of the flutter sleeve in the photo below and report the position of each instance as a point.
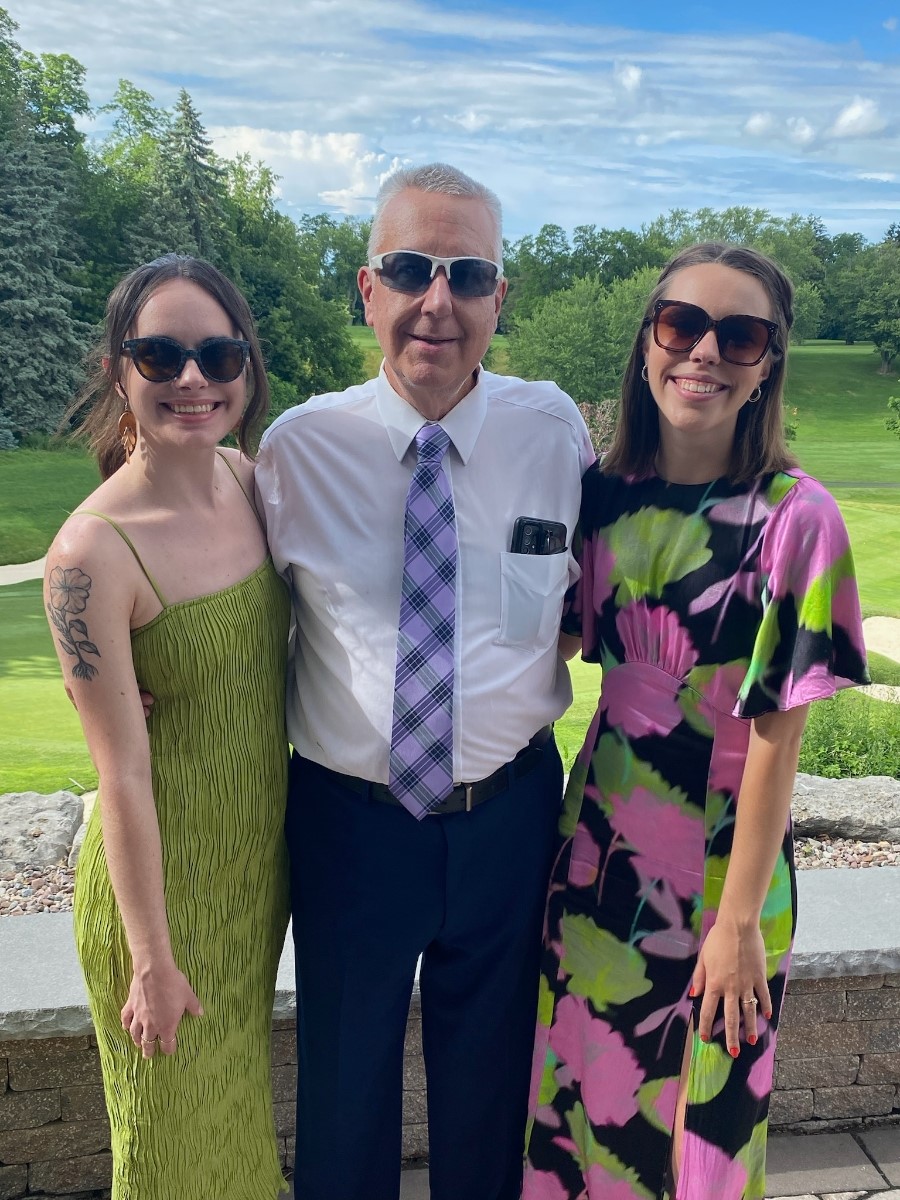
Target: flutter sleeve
(809, 642)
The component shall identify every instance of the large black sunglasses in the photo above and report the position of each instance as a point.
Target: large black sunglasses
(162, 359)
(411, 271)
(743, 340)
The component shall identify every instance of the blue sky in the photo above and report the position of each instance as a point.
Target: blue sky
(574, 111)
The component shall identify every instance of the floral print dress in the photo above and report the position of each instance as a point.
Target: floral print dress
(706, 605)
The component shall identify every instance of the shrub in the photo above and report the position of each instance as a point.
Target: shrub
(852, 735)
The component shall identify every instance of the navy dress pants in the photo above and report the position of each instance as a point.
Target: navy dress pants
(372, 890)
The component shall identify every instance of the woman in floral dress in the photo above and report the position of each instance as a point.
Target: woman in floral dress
(718, 596)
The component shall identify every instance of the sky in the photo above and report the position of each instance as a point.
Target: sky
(573, 111)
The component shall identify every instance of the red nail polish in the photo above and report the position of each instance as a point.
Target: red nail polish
(752, 1039)
(733, 1051)
(704, 1037)
(692, 992)
(768, 1016)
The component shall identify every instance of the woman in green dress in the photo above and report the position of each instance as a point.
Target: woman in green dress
(163, 576)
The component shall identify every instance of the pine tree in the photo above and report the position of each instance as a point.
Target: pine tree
(41, 345)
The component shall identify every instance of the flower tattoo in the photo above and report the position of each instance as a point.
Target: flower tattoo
(69, 592)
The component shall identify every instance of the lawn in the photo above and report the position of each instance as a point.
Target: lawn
(40, 735)
(840, 401)
(38, 489)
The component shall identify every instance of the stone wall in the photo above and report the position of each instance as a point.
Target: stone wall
(838, 1066)
(838, 1056)
(54, 1135)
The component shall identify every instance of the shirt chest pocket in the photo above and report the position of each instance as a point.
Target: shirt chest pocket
(532, 590)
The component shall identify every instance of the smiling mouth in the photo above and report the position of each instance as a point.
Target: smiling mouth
(192, 408)
(699, 389)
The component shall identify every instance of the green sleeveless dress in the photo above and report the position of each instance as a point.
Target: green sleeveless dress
(198, 1125)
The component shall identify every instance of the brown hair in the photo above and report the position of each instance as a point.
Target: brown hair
(759, 444)
(99, 396)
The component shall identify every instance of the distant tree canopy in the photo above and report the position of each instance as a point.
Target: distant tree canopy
(77, 215)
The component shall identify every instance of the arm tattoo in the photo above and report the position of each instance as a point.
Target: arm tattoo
(69, 592)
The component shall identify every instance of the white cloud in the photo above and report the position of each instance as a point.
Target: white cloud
(800, 132)
(879, 176)
(760, 124)
(891, 24)
(628, 76)
(860, 118)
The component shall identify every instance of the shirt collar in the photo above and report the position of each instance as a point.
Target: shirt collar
(402, 422)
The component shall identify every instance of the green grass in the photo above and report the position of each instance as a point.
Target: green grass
(884, 670)
(841, 402)
(38, 489)
(364, 337)
(41, 746)
(851, 735)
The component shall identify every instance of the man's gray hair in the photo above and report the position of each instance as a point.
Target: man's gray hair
(441, 178)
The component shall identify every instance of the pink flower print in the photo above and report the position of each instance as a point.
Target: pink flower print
(542, 1185)
(585, 862)
(726, 766)
(592, 1053)
(603, 1185)
(668, 838)
(707, 1169)
(640, 701)
(655, 635)
(759, 1077)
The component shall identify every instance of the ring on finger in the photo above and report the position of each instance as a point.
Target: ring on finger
(172, 1042)
(149, 1041)
(750, 1002)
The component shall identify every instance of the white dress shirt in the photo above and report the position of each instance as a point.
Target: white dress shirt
(333, 475)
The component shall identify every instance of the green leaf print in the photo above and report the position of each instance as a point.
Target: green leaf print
(591, 1154)
(648, 1100)
(816, 606)
(710, 1065)
(779, 487)
(617, 771)
(752, 1158)
(602, 969)
(571, 809)
(776, 917)
(767, 637)
(654, 547)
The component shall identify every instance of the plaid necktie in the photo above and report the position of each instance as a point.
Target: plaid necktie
(421, 770)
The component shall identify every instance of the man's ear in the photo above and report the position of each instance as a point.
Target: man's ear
(365, 282)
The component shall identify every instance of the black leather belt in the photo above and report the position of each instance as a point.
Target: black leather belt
(465, 796)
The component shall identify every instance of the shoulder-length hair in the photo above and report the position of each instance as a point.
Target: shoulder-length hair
(759, 442)
(99, 398)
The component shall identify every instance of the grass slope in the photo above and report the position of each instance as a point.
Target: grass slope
(41, 746)
(38, 490)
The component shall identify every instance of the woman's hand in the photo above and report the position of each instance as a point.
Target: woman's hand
(159, 997)
(731, 968)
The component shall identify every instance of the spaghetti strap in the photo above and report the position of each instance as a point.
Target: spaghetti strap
(240, 484)
(130, 544)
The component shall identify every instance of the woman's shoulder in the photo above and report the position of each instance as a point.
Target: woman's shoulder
(241, 466)
(793, 493)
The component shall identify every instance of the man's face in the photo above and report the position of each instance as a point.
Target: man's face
(432, 343)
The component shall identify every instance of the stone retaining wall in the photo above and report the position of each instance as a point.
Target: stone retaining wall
(838, 1066)
(54, 1134)
(838, 1056)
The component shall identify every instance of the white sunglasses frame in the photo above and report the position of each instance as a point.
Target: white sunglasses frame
(376, 261)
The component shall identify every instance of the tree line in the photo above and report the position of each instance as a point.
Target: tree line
(76, 214)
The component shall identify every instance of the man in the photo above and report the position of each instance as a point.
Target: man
(425, 785)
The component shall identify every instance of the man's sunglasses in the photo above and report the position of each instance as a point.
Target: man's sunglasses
(162, 359)
(410, 271)
(742, 340)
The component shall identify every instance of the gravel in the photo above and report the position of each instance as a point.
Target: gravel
(34, 890)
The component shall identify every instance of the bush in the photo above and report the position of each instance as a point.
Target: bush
(852, 735)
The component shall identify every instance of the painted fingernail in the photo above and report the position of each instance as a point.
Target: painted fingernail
(752, 1039)
(768, 1015)
(692, 992)
(733, 1051)
(704, 1037)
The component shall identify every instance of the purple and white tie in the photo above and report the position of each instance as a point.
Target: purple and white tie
(421, 769)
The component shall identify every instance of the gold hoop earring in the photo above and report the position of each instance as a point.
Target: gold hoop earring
(755, 395)
(127, 428)
(644, 375)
